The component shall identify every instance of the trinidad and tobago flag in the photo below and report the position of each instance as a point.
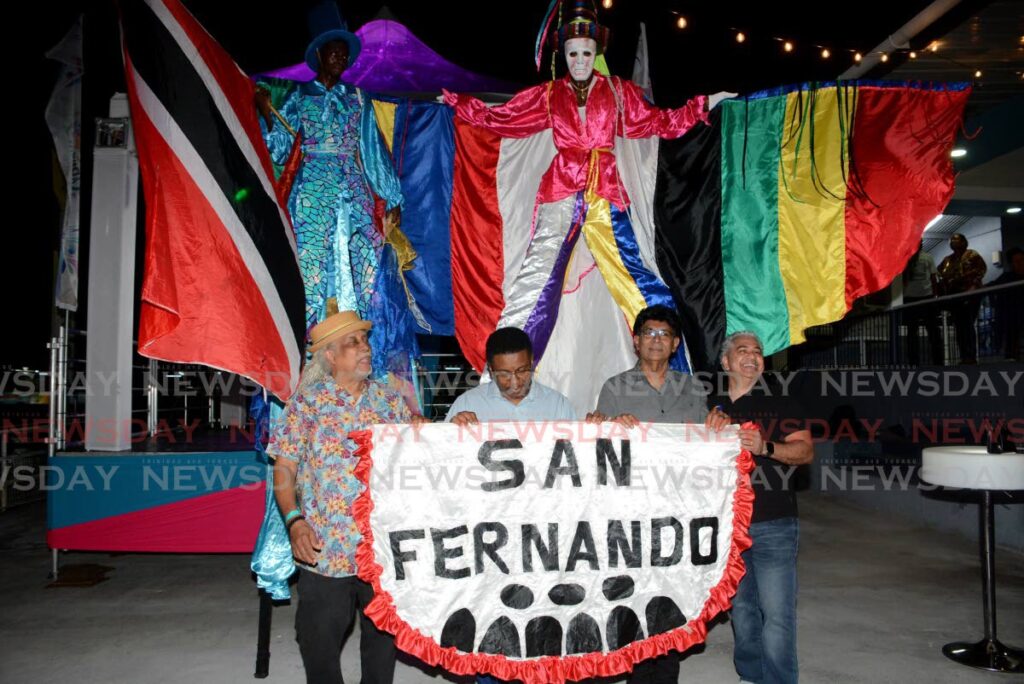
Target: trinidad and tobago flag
(222, 285)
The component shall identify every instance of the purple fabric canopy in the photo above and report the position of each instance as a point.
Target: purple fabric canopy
(393, 59)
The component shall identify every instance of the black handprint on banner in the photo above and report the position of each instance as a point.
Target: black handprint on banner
(544, 634)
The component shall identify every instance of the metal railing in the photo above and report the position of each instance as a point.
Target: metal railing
(980, 326)
(58, 346)
(23, 434)
(441, 378)
(153, 404)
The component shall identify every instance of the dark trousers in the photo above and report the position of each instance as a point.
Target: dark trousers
(965, 313)
(927, 316)
(327, 606)
(661, 670)
(1007, 330)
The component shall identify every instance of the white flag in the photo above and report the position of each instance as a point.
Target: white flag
(641, 71)
(64, 119)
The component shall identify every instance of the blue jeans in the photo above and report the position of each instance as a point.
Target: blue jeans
(764, 609)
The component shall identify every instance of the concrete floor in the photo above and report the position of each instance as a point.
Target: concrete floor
(878, 598)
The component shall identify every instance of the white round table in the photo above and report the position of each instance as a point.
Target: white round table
(972, 467)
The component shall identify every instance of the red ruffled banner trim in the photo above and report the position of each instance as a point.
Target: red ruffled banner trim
(381, 609)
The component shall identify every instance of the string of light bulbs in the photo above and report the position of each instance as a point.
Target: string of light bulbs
(788, 46)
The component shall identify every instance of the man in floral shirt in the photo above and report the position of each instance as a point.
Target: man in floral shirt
(315, 488)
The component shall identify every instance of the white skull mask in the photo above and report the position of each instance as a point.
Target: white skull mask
(579, 57)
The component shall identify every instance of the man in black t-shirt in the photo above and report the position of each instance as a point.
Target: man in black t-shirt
(764, 608)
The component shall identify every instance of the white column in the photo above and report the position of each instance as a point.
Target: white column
(110, 326)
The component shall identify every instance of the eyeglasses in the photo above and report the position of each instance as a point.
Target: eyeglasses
(355, 341)
(504, 375)
(656, 332)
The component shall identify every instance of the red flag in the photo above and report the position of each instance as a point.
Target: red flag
(222, 285)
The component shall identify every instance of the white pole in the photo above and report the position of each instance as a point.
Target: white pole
(901, 39)
(51, 440)
(153, 398)
(62, 396)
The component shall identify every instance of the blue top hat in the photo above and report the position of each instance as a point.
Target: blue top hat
(326, 25)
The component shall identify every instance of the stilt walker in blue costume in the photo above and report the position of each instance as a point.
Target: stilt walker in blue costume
(345, 255)
(331, 204)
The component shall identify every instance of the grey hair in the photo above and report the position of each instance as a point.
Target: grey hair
(316, 369)
(730, 341)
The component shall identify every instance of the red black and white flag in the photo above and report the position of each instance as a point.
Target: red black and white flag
(222, 285)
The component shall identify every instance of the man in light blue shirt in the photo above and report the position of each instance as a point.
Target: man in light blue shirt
(513, 395)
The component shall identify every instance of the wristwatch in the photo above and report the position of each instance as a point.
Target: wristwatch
(769, 448)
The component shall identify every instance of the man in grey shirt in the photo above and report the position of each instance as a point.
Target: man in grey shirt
(651, 392)
(919, 277)
(920, 283)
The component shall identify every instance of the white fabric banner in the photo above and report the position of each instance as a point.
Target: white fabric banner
(550, 551)
(587, 310)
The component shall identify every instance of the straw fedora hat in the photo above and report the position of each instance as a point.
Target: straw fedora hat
(333, 327)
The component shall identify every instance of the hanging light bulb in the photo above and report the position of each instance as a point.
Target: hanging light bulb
(913, 55)
(787, 46)
(740, 36)
(884, 57)
(607, 4)
(825, 54)
(681, 22)
(857, 57)
(935, 46)
(977, 74)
